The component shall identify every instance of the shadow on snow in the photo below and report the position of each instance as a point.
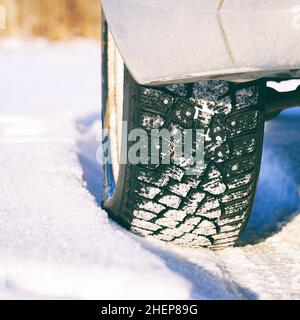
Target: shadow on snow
(277, 200)
(276, 203)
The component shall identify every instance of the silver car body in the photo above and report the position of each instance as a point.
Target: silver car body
(170, 41)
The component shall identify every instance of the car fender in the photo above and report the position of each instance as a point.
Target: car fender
(180, 41)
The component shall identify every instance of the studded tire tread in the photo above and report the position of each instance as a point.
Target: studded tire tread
(209, 209)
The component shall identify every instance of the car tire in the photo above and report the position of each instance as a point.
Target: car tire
(209, 209)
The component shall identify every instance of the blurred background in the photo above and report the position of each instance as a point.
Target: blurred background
(54, 20)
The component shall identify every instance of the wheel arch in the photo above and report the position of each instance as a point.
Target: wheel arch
(166, 42)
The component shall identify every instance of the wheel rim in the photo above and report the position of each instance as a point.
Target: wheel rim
(114, 103)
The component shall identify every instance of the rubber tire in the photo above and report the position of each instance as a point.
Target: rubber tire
(207, 210)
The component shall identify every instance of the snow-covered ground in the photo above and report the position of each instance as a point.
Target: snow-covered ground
(56, 242)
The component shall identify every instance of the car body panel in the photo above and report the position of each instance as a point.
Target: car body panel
(182, 41)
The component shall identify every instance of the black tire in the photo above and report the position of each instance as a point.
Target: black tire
(212, 208)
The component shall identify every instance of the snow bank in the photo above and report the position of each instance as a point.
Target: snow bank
(56, 242)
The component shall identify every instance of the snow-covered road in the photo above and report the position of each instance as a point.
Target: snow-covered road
(56, 242)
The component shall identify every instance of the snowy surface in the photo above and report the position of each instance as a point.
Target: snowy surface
(56, 242)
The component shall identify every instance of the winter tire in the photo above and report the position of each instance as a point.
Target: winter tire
(209, 209)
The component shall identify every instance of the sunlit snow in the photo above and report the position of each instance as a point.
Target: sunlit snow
(56, 242)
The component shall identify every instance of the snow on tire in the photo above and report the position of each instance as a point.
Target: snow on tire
(209, 209)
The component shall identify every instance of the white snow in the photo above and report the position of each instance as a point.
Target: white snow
(56, 242)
